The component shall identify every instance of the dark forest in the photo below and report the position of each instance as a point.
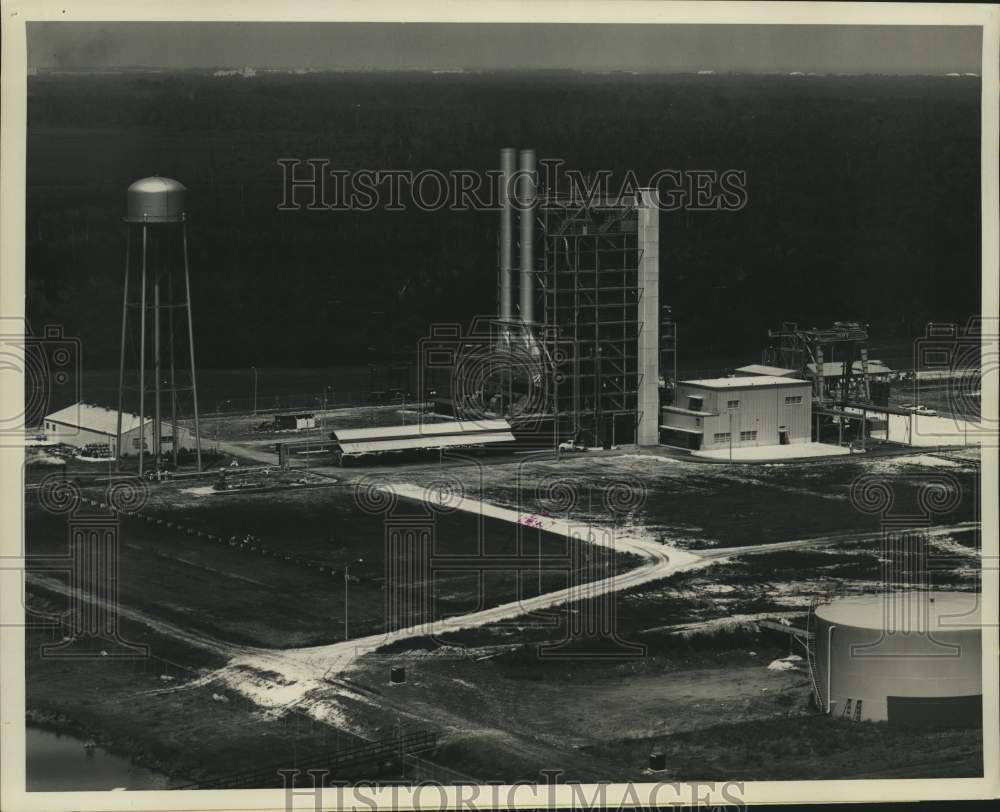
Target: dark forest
(863, 200)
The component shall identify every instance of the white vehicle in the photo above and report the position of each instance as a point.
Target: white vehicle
(921, 409)
(569, 445)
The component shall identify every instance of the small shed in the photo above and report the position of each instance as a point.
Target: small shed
(294, 422)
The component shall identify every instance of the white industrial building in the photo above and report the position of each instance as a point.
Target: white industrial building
(86, 424)
(756, 410)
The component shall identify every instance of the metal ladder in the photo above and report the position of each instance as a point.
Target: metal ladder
(811, 658)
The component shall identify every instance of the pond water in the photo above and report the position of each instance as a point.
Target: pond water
(60, 763)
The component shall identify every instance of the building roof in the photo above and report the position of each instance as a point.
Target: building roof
(762, 369)
(426, 435)
(429, 443)
(693, 412)
(95, 418)
(422, 430)
(748, 382)
(686, 431)
(835, 369)
(901, 611)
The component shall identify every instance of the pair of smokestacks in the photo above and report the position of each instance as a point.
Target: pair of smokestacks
(519, 189)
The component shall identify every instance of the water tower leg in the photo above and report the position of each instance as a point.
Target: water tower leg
(142, 353)
(121, 362)
(194, 384)
(173, 369)
(157, 368)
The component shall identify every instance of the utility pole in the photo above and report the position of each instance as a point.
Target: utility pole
(346, 568)
(730, 438)
(402, 754)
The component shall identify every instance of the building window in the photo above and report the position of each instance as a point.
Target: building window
(732, 404)
(748, 435)
(694, 404)
(722, 437)
(793, 399)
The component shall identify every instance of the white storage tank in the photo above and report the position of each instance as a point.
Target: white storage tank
(911, 658)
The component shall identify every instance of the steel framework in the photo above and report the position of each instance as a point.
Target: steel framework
(668, 355)
(844, 343)
(590, 292)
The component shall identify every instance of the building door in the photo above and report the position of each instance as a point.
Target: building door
(783, 436)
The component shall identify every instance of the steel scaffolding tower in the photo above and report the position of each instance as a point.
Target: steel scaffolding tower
(591, 291)
(808, 351)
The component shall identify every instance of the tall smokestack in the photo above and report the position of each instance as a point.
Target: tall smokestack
(508, 166)
(527, 183)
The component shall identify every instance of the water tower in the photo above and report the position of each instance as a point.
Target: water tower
(157, 339)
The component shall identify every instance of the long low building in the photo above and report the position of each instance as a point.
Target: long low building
(831, 369)
(838, 369)
(426, 436)
(86, 424)
(753, 410)
(764, 369)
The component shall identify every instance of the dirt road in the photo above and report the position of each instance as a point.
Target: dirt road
(300, 675)
(304, 672)
(248, 451)
(307, 665)
(837, 538)
(197, 639)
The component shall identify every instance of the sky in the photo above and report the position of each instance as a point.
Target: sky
(644, 48)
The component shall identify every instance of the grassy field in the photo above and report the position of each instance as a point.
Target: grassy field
(708, 701)
(811, 748)
(698, 505)
(242, 596)
(162, 715)
(687, 674)
(958, 395)
(249, 426)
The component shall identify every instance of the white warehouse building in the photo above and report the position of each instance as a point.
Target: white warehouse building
(85, 424)
(758, 410)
